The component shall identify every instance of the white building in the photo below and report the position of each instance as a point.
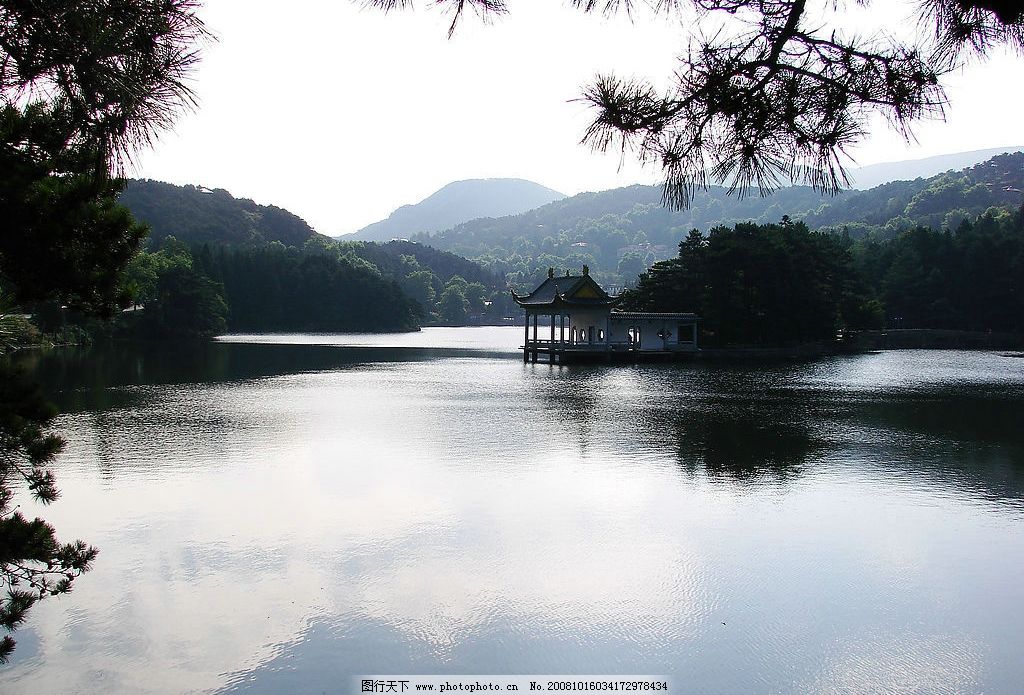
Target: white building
(580, 322)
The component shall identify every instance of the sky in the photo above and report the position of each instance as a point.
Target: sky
(341, 114)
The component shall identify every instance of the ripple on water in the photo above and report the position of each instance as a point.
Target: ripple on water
(281, 517)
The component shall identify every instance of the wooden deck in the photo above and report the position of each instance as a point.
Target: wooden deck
(558, 352)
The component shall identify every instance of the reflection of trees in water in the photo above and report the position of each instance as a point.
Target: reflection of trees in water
(967, 436)
(976, 416)
(740, 440)
(720, 422)
(752, 425)
(87, 379)
(742, 447)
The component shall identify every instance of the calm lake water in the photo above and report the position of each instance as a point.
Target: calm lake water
(277, 514)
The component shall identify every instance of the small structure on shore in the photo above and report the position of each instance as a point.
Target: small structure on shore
(582, 323)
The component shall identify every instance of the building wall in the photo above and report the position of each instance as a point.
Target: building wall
(648, 329)
(599, 328)
(587, 322)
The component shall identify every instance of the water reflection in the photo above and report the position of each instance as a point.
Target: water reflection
(299, 514)
(89, 378)
(743, 448)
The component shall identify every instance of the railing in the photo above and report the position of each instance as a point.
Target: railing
(566, 345)
(547, 345)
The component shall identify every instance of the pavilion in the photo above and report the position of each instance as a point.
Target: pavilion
(590, 327)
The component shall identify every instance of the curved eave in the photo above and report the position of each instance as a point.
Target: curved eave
(562, 303)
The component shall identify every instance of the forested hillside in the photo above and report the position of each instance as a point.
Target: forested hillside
(863, 178)
(620, 232)
(272, 272)
(779, 284)
(448, 289)
(391, 257)
(196, 215)
(940, 202)
(199, 292)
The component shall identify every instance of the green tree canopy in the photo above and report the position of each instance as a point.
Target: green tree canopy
(82, 83)
(453, 307)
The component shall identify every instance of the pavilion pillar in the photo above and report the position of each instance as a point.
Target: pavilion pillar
(535, 317)
(526, 337)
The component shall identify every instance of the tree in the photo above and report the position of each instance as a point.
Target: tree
(452, 307)
(182, 303)
(419, 285)
(82, 83)
(476, 294)
(753, 284)
(33, 564)
(630, 266)
(776, 94)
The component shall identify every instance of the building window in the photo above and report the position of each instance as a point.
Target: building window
(600, 334)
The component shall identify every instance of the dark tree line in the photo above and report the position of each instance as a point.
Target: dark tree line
(970, 279)
(198, 292)
(279, 288)
(780, 284)
(757, 284)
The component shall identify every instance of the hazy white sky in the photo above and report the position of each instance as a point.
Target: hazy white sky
(341, 114)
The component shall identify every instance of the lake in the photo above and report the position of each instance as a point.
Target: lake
(282, 513)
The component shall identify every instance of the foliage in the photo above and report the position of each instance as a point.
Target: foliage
(601, 229)
(754, 284)
(971, 278)
(199, 215)
(200, 218)
(424, 273)
(324, 286)
(34, 564)
(777, 284)
(182, 304)
(67, 236)
(397, 258)
(453, 307)
(15, 328)
(780, 90)
(279, 288)
(106, 75)
(81, 84)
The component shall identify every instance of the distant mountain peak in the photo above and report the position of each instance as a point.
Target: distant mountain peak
(458, 202)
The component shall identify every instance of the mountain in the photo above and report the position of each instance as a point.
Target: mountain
(620, 232)
(197, 215)
(392, 258)
(873, 175)
(458, 202)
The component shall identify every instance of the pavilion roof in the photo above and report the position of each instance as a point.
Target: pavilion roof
(572, 290)
(655, 315)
